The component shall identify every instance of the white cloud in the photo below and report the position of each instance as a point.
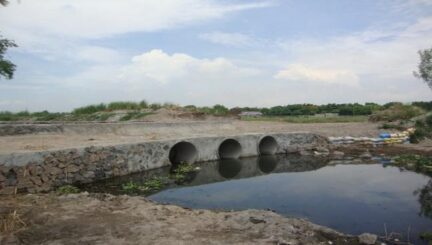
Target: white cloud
(159, 66)
(230, 39)
(300, 72)
(382, 55)
(103, 18)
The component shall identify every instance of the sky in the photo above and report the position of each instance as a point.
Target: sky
(238, 53)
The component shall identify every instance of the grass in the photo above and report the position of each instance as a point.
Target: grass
(423, 130)
(11, 222)
(67, 189)
(309, 119)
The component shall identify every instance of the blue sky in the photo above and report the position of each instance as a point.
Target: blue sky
(203, 52)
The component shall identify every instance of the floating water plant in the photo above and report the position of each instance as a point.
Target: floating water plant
(150, 185)
(68, 189)
(182, 171)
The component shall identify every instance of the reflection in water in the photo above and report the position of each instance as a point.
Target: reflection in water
(267, 163)
(425, 199)
(229, 168)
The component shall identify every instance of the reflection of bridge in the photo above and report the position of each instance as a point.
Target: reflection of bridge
(222, 170)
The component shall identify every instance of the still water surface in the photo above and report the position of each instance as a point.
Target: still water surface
(352, 197)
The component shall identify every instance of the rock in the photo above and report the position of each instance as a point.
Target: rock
(366, 155)
(9, 190)
(36, 180)
(256, 221)
(72, 168)
(338, 154)
(320, 153)
(367, 238)
(89, 175)
(305, 153)
(54, 171)
(292, 149)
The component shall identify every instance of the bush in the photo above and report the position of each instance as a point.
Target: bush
(397, 112)
(7, 116)
(143, 104)
(119, 105)
(89, 109)
(155, 106)
(46, 116)
(423, 130)
(424, 105)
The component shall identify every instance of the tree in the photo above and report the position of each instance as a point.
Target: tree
(4, 2)
(425, 67)
(7, 68)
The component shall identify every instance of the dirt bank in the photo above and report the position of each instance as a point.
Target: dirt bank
(105, 219)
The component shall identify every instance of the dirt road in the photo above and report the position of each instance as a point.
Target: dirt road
(110, 134)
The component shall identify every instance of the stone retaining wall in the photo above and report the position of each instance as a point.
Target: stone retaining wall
(43, 171)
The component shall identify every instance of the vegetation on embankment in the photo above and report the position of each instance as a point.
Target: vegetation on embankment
(295, 113)
(423, 129)
(309, 119)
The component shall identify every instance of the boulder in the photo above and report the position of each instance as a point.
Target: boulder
(367, 238)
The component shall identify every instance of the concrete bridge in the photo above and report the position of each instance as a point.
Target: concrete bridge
(44, 170)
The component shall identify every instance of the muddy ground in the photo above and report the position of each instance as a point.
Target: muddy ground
(105, 219)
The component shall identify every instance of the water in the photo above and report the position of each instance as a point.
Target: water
(353, 198)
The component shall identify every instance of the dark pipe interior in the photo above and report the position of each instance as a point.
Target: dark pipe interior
(230, 149)
(268, 146)
(183, 152)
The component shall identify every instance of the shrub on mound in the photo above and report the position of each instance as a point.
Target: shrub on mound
(396, 112)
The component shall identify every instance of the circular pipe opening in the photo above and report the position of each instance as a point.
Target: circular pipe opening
(230, 149)
(183, 152)
(267, 146)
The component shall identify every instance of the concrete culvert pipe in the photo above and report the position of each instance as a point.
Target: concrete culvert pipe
(230, 149)
(267, 146)
(183, 152)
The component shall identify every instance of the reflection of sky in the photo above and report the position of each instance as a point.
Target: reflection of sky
(350, 198)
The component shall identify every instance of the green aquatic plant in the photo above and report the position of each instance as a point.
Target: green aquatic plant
(150, 185)
(67, 189)
(182, 171)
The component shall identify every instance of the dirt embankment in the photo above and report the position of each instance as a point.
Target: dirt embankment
(105, 219)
